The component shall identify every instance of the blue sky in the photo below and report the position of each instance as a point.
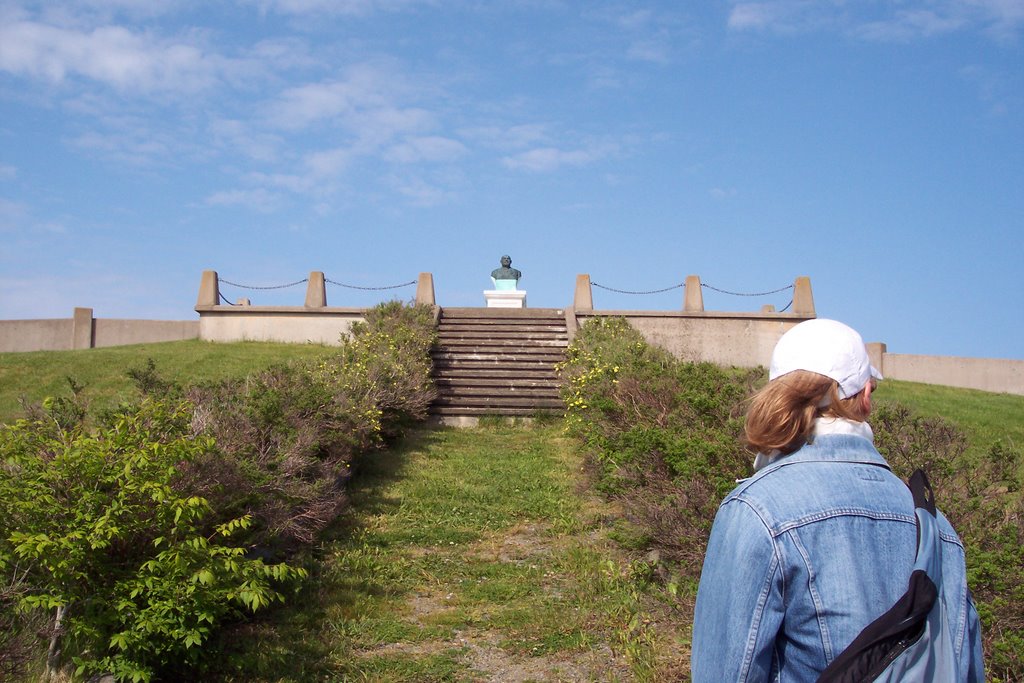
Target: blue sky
(876, 147)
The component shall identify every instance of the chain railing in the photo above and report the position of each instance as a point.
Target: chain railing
(725, 291)
(626, 291)
(305, 280)
(703, 285)
(369, 289)
(235, 284)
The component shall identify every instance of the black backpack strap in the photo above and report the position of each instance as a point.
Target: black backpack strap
(890, 634)
(924, 497)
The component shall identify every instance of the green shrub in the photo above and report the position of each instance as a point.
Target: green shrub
(143, 534)
(983, 502)
(100, 534)
(664, 434)
(665, 438)
(288, 437)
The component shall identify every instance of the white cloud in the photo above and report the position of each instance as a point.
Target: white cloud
(12, 215)
(430, 148)
(132, 144)
(241, 135)
(656, 50)
(259, 199)
(329, 162)
(111, 55)
(908, 25)
(991, 88)
(421, 193)
(545, 159)
(883, 22)
(370, 101)
(17, 218)
(782, 16)
(350, 7)
(508, 137)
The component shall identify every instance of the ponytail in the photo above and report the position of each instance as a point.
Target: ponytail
(781, 415)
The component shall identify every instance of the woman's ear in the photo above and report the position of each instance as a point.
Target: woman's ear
(865, 399)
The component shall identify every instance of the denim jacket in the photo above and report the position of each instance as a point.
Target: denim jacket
(805, 554)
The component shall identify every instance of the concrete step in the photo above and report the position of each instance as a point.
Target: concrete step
(517, 356)
(499, 361)
(496, 343)
(527, 327)
(457, 313)
(477, 411)
(498, 393)
(470, 369)
(499, 402)
(509, 380)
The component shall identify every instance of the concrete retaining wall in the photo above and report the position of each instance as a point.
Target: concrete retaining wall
(36, 335)
(82, 331)
(747, 340)
(113, 332)
(289, 324)
(740, 339)
(986, 374)
(744, 340)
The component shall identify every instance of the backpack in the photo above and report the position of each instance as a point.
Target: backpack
(911, 642)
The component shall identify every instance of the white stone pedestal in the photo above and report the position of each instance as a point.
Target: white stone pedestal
(505, 298)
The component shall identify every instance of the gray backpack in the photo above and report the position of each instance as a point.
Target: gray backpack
(912, 641)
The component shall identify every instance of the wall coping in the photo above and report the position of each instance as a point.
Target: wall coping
(282, 310)
(783, 317)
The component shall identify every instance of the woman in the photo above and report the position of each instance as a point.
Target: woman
(821, 540)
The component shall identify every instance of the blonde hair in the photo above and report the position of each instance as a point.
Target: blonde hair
(781, 415)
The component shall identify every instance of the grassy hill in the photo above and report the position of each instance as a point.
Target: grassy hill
(441, 570)
(985, 416)
(35, 375)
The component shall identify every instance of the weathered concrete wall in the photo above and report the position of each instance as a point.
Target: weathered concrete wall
(113, 332)
(747, 340)
(36, 335)
(741, 339)
(290, 324)
(84, 332)
(987, 374)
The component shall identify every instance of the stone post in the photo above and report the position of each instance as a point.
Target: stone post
(425, 289)
(316, 290)
(209, 289)
(876, 354)
(583, 299)
(693, 295)
(81, 329)
(803, 299)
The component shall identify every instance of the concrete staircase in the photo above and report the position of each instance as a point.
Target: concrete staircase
(493, 361)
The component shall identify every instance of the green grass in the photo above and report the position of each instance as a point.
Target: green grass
(984, 416)
(462, 547)
(465, 550)
(36, 375)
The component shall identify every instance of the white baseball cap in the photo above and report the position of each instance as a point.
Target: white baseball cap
(829, 348)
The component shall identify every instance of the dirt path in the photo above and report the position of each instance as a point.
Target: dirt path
(468, 555)
(504, 571)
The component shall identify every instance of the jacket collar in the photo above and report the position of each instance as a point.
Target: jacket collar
(827, 447)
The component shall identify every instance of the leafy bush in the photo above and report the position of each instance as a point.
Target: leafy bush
(149, 531)
(983, 502)
(664, 434)
(288, 437)
(665, 440)
(100, 535)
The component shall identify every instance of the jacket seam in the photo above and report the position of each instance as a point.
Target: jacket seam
(762, 599)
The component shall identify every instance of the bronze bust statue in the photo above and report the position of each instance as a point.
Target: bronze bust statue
(506, 272)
